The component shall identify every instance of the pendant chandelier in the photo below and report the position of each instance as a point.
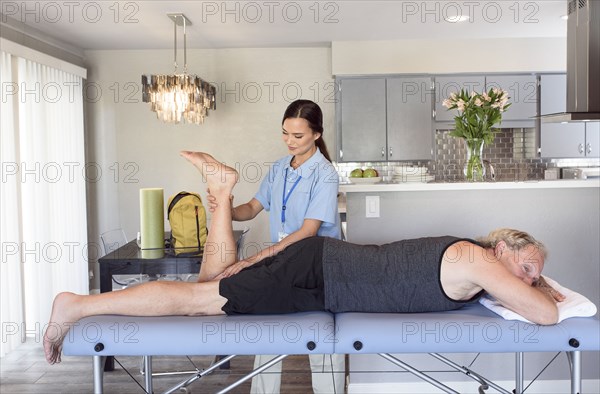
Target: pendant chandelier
(178, 97)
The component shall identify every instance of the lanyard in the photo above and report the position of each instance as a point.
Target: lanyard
(286, 198)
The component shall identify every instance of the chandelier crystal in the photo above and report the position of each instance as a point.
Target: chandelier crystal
(179, 97)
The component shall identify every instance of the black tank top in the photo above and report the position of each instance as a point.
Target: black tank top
(402, 276)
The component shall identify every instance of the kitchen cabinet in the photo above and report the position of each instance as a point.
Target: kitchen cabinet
(381, 119)
(409, 118)
(564, 140)
(362, 119)
(522, 90)
(592, 139)
(570, 140)
(553, 94)
(446, 85)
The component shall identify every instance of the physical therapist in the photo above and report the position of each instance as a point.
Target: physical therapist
(300, 193)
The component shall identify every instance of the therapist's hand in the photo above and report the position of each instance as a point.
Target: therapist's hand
(212, 202)
(234, 269)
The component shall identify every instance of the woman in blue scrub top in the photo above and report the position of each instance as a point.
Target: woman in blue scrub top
(300, 193)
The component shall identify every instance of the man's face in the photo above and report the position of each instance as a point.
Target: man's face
(526, 263)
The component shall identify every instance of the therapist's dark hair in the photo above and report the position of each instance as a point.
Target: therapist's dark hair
(311, 112)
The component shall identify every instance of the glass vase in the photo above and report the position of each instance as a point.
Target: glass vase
(474, 169)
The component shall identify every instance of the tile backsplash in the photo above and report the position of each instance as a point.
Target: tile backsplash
(513, 157)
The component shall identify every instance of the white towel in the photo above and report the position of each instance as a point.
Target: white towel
(574, 305)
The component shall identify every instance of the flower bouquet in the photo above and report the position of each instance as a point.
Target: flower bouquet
(477, 114)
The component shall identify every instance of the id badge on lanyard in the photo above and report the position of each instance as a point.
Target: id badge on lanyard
(282, 234)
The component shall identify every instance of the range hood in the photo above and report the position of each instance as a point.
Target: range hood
(583, 63)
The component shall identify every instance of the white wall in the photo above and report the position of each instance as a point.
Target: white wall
(449, 56)
(254, 88)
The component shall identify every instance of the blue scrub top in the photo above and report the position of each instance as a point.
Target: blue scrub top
(314, 197)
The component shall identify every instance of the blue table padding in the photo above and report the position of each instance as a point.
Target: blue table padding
(201, 335)
(473, 328)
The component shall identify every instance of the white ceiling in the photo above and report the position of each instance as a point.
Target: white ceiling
(231, 24)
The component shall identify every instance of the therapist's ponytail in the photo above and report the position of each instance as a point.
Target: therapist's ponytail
(311, 112)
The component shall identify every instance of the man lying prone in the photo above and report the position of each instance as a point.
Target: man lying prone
(323, 274)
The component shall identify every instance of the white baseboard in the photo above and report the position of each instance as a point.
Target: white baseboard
(468, 387)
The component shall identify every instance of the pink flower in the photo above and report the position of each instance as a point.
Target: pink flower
(447, 103)
(460, 104)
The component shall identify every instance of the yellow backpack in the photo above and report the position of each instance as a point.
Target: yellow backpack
(187, 218)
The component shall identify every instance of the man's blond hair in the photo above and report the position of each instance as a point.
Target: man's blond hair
(514, 239)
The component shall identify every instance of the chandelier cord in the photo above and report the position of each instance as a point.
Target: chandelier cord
(175, 44)
(184, 47)
(184, 44)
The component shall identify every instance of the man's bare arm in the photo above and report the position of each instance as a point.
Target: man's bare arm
(485, 271)
(551, 292)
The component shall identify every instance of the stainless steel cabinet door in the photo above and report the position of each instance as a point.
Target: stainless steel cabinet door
(563, 140)
(522, 90)
(444, 86)
(363, 119)
(410, 119)
(592, 139)
(553, 94)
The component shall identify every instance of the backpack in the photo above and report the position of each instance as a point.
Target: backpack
(187, 218)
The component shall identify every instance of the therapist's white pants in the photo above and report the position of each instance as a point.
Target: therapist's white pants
(323, 380)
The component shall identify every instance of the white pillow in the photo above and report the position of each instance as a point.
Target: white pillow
(574, 305)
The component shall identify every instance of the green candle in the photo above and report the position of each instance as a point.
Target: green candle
(152, 222)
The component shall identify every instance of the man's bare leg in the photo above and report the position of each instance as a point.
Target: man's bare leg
(146, 299)
(159, 298)
(220, 249)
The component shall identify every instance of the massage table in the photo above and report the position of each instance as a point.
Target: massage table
(472, 329)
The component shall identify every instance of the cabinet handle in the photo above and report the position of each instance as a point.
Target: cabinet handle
(589, 148)
(391, 153)
(383, 151)
(581, 149)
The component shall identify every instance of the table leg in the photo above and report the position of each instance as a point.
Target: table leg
(105, 287)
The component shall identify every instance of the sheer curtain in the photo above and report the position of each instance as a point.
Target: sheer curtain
(11, 300)
(46, 203)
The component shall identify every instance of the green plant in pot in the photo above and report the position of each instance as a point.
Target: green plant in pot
(477, 114)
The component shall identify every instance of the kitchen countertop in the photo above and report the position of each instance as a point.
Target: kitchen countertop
(434, 186)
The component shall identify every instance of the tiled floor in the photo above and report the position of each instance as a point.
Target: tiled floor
(25, 370)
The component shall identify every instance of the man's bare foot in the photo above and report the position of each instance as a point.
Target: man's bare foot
(62, 317)
(219, 177)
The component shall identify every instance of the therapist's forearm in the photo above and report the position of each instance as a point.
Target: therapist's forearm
(243, 212)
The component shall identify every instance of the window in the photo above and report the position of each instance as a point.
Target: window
(43, 209)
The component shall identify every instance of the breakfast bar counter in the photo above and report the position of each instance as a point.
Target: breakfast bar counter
(441, 186)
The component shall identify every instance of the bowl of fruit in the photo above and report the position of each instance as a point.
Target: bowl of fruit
(368, 176)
